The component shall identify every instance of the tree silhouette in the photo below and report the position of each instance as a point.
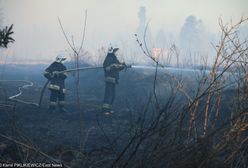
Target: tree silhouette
(5, 36)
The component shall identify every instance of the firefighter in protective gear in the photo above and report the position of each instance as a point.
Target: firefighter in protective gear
(57, 83)
(111, 66)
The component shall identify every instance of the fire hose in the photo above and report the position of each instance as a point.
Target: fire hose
(30, 84)
(69, 70)
(20, 89)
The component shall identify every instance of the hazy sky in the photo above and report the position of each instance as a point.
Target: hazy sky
(38, 35)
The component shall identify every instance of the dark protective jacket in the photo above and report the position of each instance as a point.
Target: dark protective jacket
(112, 66)
(57, 80)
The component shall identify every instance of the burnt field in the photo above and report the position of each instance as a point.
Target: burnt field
(144, 128)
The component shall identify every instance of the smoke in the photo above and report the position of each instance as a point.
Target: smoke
(195, 41)
(243, 32)
(144, 27)
(1, 16)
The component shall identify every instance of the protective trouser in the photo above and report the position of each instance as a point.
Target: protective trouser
(109, 96)
(57, 95)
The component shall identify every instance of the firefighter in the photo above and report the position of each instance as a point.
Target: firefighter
(57, 83)
(111, 66)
